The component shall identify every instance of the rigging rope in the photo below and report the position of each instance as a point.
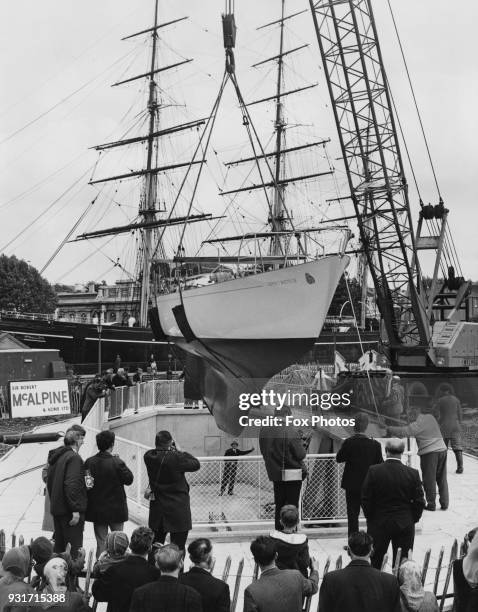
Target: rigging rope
(360, 342)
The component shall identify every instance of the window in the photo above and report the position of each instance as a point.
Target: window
(112, 316)
(112, 293)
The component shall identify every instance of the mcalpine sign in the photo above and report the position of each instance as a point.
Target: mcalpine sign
(32, 398)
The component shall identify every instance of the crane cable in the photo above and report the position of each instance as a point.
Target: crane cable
(451, 248)
(349, 294)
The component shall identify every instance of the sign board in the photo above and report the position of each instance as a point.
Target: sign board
(33, 398)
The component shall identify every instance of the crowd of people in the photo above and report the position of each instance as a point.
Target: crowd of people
(140, 573)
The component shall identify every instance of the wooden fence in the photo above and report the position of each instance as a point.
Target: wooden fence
(437, 579)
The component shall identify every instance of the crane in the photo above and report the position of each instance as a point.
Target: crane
(425, 325)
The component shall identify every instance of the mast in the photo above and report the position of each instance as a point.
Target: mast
(147, 205)
(277, 220)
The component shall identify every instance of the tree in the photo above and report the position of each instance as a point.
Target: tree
(22, 288)
(341, 296)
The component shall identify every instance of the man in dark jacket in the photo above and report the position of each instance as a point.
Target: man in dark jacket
(358, 453)
(118, 583)
(230, 467)
(277, 590)
(450, 415)
(392, 501)
(67, 490)
(167, 594)
(107, 505)
(359, 587)
(169, 506)
(282, 449)
(214, 592)
(94, 390)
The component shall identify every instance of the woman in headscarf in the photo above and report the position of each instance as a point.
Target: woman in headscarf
(15, 567)
(413, 597)
(465, 575)
(56, 576)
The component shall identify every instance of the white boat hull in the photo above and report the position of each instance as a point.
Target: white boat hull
(287, 303)
(239, 333)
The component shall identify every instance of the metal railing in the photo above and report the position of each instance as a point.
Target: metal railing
(154, 393)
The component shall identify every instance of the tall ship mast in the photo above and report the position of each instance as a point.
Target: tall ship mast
(239, 328)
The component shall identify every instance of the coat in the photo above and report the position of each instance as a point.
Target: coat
(171, 508)
(281, 448)
(359, 587)
(292, 551)
(393, 491)
(450, 415)
(358, 452)
(466, 597)
(66, 482)
(279, 591)
(214, 593)
(166, 595)
(117, 584)
(107, 499)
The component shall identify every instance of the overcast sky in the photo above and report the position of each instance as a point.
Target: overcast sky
(58, 59)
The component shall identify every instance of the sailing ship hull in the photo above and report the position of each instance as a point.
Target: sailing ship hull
(239, 333)
(78, 343)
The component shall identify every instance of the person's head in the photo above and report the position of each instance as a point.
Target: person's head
(120, 371)
(163, 438)
(414, 413)
(394, 448)
(139, 370)
(141, 541)
(17, 561)
(264, 551)
(81, 431)
(470, 561)
(395, 380)
(116, 544)
(41, 549)
(55, 572)
(73, 439)
(200, 552)
(169, 560)
(361, 422)
(360, 545)
(470, 537)
(105, 440)
(234, 444)
(410, 580)
(289, 516)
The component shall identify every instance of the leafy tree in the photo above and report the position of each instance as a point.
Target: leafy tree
(60, 288)
(341, 296)
(22, 288)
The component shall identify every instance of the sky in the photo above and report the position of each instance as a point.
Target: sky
(58, 59)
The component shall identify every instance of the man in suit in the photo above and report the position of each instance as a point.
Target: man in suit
(230, 467)
(117, 584)
(167, 594)
(107, 506)
(359, 587)
(214, 592)
(392, 501)
(277, 590)
(358, 453)
(282, 449)
(169, 506)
